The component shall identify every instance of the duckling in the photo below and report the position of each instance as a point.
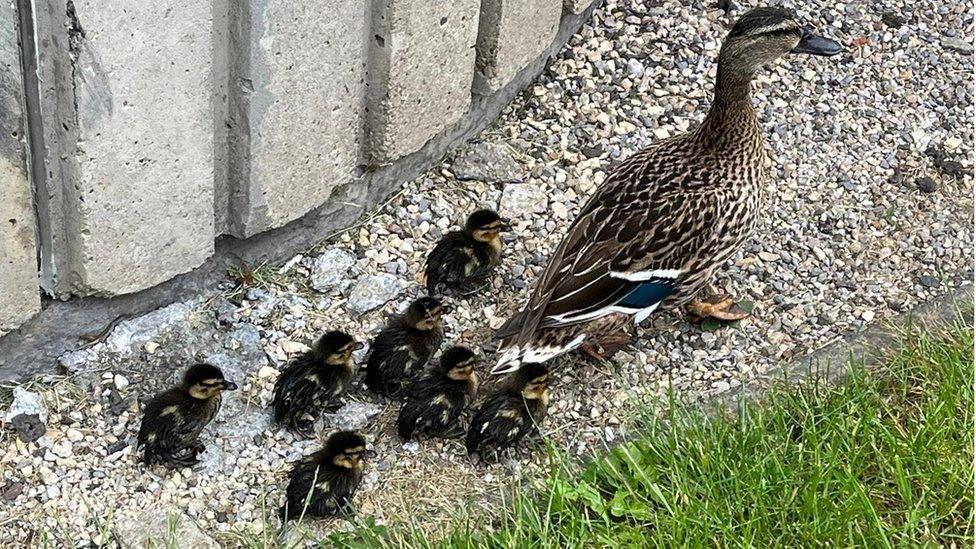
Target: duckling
(173, 420)
(434, 404)
(322, 484)
(403, 348)
(516, 410)
(314, 381)
(666, 219)
(464, 257)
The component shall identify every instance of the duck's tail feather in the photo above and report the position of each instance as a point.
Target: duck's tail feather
(513, 357)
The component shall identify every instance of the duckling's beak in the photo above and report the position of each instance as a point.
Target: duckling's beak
(445, 309)
(817, 45)
(358, 346)
(506, 224)
(230, 386)
(370, 454)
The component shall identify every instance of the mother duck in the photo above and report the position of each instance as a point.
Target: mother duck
(665, 219)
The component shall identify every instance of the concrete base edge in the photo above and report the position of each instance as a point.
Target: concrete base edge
(36, 345)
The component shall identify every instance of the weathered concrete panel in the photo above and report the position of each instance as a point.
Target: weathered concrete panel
(129, 127)
(421, 66)
(510, 34)
(297, 103)
(576, 6)
(19, 292)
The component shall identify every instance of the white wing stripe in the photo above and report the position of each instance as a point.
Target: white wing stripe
(642, 276)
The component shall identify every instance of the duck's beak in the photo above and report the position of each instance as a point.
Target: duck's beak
(230, 386)
(817, 45)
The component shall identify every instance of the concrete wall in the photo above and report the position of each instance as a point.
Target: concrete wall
(157, 129)
(19, 294)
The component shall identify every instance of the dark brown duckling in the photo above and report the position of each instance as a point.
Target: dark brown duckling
(435, 403)
(517, 409)
(322, 484)
(401, 351)
(462, 259)
(173, 420)
(314, 381)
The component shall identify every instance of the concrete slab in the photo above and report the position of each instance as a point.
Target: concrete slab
(129, 134)
(19, 291)
(510, 34)
(421, 66)
(297, 103)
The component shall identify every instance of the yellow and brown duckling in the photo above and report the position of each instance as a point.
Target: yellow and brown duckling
(401, 350)
(435, 403)
(173, 420)
(314, 382)
(323, 484)
(516, 410)
(462, 259)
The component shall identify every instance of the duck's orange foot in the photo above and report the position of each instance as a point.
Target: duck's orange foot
(719, 307)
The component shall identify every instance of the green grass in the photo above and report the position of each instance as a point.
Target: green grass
(884, 460)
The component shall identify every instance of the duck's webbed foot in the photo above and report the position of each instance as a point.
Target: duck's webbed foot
(607, 345)
(719, 306)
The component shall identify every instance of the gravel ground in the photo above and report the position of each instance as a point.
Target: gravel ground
(871, 213)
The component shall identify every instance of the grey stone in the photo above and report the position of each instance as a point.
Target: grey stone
(518, 200)
(296, 81)
(488, 162)
(161, 526)
(20, 297)
(355, 415)
(372, 292)
(958, 44)
(29, 427)
(421, 62)
(926, 184)
(131, 334)
(26, 402)
(330, 270)
(128, 128)
(512, 32)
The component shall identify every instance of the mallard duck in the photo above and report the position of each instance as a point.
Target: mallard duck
(323, 484)
(313, 382)
(173, 420)
(462, 258)
(515, 410)
(665, 219)
(401, 350)
(435, 403)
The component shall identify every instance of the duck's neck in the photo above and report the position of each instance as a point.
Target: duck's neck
(731, 116)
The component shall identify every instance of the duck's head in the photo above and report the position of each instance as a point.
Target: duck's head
(335, 348)
(425, 313)
(485, 225)
(530, 380)
(345, 449)
(205, 381)
(458, 363)
(762, 36)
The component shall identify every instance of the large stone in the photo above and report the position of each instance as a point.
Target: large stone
(421, 65)
(372, 291)
(128, 127)
(296, 104)
(526, 198)
(19, 292)
(488, 162)
(331, 270)
(511, 34)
